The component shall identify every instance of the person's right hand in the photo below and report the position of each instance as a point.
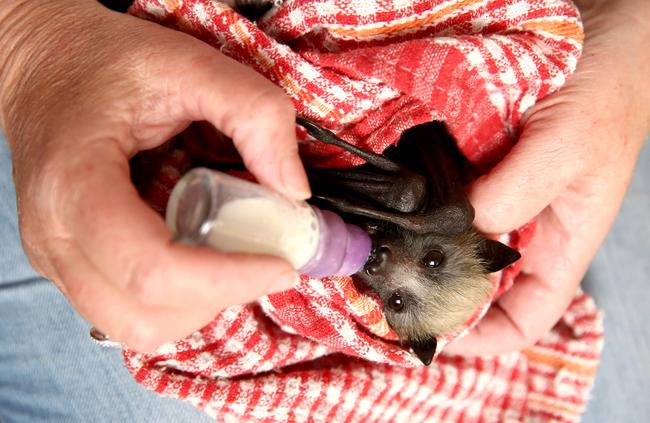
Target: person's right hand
(82, 90)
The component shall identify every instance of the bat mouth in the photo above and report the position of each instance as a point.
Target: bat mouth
(379, 255)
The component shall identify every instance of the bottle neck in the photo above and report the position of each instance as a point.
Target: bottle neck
(343, 248)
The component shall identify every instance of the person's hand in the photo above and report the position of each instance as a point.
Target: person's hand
(82, 90)
(572, 165)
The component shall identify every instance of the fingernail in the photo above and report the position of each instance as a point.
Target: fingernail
(102, 339)
(294, 178)
(286, 281)
(98, 335)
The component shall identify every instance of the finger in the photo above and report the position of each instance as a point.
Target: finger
(114, 312)
(541, 293)
(540, 166)
(256, 114)
(538, 298)
(568, 234)
(520, 317)
(131, 247)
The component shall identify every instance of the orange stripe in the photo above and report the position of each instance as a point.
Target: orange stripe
(246, 41)
(561, 363)
(409, 24)
(366, 308)
(566, 29)
(290, 84)
(268, 66)
(171, 5)
(554, 408)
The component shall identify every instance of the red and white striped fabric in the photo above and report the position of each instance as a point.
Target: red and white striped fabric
(368, 70)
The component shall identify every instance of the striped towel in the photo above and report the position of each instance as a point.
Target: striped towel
(368, 70)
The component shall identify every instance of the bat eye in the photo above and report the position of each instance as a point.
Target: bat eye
(434, 258)
(396, 302)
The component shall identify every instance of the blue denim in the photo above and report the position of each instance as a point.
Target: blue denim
(619, 281)
(50, 371)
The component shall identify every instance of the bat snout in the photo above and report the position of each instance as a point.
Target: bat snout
(379, 256)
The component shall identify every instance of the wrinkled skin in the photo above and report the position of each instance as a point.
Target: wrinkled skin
(572, 165)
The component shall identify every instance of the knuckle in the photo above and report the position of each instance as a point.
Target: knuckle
(143, 336)
(268, 112)
(77, 290)
(529, 339)
(272, 103)
(255, 158)
(497, 218)
(48, 184)
(273, 115)
(144, 282)
(532, 332)
(47, 195)
(492, 217)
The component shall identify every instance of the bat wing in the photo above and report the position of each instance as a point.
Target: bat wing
(418, 186)
(431, 151)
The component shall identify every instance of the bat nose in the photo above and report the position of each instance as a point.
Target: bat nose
(377, 260)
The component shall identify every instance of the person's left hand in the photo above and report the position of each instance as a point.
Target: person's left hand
(570, 168)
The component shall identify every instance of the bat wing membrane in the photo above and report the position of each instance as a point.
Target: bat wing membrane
(422, 191)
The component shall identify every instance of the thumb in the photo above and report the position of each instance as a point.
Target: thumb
(547, 157)
(255, 114)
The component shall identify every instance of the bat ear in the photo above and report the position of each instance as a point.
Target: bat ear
(425, 349)
(495, 255)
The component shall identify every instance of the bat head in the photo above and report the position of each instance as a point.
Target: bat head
(431, 284)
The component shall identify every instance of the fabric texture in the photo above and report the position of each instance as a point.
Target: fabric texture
(368, 70)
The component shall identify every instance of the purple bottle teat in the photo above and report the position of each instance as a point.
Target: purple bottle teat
(342, 250)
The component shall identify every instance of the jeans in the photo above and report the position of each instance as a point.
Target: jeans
(50, 370)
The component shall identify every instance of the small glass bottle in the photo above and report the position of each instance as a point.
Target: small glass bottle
(212, 208)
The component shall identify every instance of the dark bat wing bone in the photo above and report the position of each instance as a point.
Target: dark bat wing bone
(432, 199)
(433, 152)
(328, 137)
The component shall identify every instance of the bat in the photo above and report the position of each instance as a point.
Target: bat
(428, 265)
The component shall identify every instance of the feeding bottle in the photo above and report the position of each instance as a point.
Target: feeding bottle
(230, 214)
